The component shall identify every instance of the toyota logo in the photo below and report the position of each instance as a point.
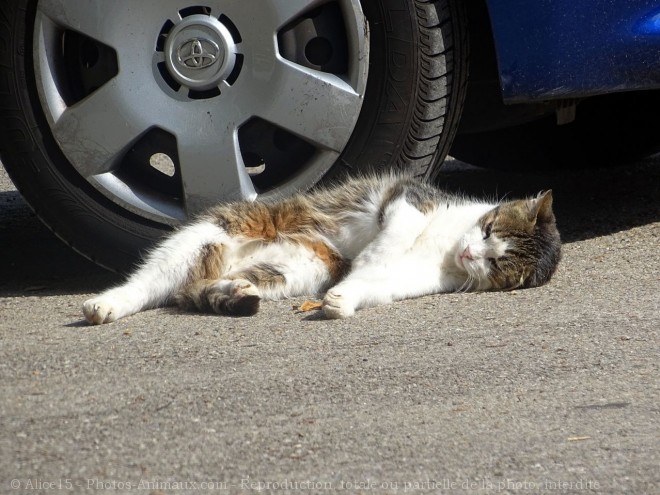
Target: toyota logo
(198, 53)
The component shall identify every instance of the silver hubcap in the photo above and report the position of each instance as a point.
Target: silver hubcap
(200, 52)
(242, 100)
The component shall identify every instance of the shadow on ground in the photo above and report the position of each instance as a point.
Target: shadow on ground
(33, 262)
(588, 203)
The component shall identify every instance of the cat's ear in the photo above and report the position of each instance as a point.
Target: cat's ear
(540, 208)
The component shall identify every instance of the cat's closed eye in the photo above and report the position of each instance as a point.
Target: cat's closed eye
(488, 228)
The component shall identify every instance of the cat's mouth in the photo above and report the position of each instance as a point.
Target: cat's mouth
(471, 264)
(462, 258)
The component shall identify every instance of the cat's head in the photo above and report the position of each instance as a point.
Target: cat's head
(515, 245)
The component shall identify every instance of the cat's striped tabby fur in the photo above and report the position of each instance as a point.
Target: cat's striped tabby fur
(366, 242)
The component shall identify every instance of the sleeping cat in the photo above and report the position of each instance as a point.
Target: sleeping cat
(369, 241)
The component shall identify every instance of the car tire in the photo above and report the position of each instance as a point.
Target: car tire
(417, 74)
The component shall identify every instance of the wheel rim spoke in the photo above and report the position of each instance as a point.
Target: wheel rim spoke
(280, 12)
(95, 132)
(320, 108)
(92, 18)
(128, 26)
(212, 168)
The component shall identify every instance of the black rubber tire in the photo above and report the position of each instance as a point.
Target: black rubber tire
(416, 86)
(415, 91)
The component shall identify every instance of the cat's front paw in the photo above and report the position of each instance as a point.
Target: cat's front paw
(100, 310)
(337, 306)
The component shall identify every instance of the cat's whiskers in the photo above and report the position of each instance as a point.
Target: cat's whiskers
(468, 284)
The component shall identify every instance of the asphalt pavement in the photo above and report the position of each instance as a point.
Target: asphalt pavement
(547, 390)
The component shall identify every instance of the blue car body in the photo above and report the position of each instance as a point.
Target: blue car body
(557, 49)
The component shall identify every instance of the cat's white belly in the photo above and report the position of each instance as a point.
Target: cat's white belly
(354, 236)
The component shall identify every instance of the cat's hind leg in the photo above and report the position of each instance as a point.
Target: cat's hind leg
(237, 297)
(194, 252)
(277, 270)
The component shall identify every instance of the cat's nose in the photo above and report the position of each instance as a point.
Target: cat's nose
(467, 254)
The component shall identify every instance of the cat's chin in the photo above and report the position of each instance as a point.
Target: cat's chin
(471, 274)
